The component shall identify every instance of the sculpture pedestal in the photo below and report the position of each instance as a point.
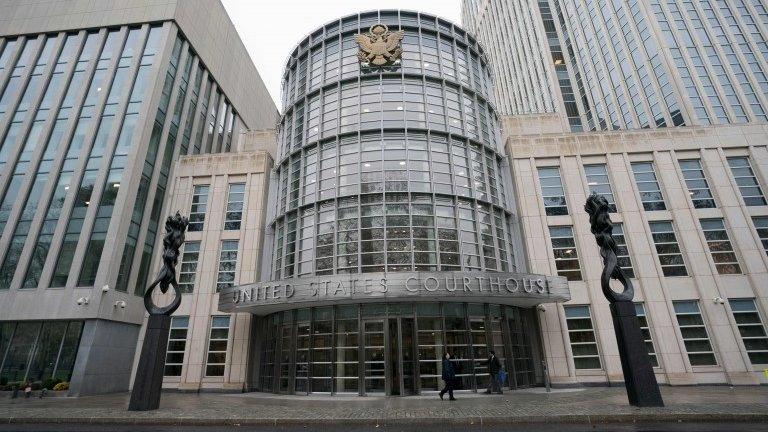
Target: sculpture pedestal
(642, 388)
(149, 375)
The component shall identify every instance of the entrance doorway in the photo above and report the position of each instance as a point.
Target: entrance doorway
(389, 357)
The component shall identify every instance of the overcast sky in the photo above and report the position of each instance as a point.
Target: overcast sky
(271, 28)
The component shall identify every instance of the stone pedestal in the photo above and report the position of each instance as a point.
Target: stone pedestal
(149, 375)
(642, 389)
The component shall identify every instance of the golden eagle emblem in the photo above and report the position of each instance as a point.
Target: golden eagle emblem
(379, 47)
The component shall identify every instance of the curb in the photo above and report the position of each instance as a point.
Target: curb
(466, 421)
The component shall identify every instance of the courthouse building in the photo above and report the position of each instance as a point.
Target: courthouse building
(403, 205)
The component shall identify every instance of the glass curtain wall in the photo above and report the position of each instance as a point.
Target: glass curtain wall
(394, 349)
(37, 351)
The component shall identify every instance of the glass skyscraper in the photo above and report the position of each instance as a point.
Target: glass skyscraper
(92, 119)
(611, 64)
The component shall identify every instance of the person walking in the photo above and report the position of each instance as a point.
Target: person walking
(449, 377)
(494, 368)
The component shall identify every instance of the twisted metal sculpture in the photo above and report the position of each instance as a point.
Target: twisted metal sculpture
(601, 226)
(639, 379)
(175, 227)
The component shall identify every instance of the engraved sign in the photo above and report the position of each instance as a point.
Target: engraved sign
(502, 288)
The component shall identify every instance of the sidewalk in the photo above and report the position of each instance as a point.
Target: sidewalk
(584, 406)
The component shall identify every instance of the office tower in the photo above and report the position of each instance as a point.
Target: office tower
(96, 106)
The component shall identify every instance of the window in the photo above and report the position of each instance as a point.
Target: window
(199, 204)
(188, 270)
(582, 337)
(667, 249)
(598, 182)
(698, 188)
(694, 333)
(746, 180)
(235, 200)
(217, 346)
(751, 329)
(622, 255)
(177, 342)
(227, 264)
(552, 191)
(564, 249)
(720, 246)
(646, 330)
(761, 225)
(648, 185)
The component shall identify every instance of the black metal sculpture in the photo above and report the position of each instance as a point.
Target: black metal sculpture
(149, 375)
(642, 388)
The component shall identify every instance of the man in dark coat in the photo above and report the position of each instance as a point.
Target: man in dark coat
(449, 377)
(494, 367)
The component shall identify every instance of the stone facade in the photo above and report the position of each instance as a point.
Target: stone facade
(665, 148)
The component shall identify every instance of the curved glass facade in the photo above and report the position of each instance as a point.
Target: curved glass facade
(381, 171)
(391, 169)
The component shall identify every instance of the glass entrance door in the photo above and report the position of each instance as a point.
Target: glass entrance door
(389, 366)
(374, 357)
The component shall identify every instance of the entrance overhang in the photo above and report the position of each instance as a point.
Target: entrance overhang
(514, 289)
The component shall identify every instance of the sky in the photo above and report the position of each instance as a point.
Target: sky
(271, 29)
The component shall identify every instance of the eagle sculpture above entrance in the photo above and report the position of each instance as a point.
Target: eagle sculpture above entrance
(379, 47)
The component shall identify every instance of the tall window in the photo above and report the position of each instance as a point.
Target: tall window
(199, 205)
(217, 346)
(695, 336)
(751, 328)
(177, 342)
(648, 185)
(552, 191)
(622, 252)
(598, 182)
(582, 337)
(646, 330)
(188, 271)
(761, 224)
(227, 264)
(746, 180)
(720, 246)
(564, 249)
(235, 199)
(696, 182)
(667, 249)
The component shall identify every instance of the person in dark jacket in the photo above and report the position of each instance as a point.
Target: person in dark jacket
(494, 367)
(449, 377)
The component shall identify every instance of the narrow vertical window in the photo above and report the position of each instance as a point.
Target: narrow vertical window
(622, 251)
(646, 330)
(235, 199)
(177, 342)
(217, 346)
(696, 182)
(582, 336)
(720, 246)
(227, 264)
(599, 183)
(761, 225)
(552, 191)
(751, 328)
(648, 185)
(199, 205)
(694, 333)
(564, 249)
(745, 178)
(667, 249)
(188, 271)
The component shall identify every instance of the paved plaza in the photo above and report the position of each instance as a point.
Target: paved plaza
(574, 406)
